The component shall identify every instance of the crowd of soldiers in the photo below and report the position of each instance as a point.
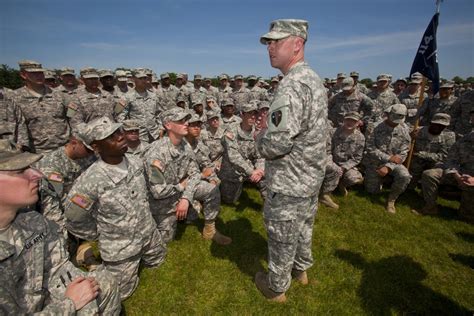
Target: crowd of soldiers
(126, 156)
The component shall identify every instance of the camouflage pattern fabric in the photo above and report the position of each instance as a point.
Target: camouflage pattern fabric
(460, 117)
(433, 106)
(340, 104)
(411, 101)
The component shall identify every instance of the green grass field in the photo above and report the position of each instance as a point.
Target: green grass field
(366, 262)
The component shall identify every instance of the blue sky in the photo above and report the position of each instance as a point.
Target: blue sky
(211, 37)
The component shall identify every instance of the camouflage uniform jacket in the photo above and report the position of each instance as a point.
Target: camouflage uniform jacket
(212, 91)
(112, 208)
(197, 94)
(411, 101)
(433, 106)
(460, 117)
(89, 106)
(240, 155)
(385, 142)
(461, 156)
(294, 145)
(347, 150)
(7, 120)
(240, 97)
(257, 93)
(231, 122)
(382, 100)
(32, 268)
(202, 153)
(169, 96)
(166, 165)
(40, 120)
(215, 143)
(340, 104)
(223, 94)
(362, 88)
(140, 150)
(60, 173)
(433, 148)
(145, 110)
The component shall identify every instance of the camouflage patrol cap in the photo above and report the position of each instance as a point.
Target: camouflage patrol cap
(179, 76)
(101, 128)
(249, 107)
(198, 101)
(228, 101)
(105, 73)
(275, 79)
(12, 159)
(447, 85)
(174, 114)
(383, 77)
(347, 84)
(129, 73)
(400, 110)
(195, 118)
(354, 74)
(280, 29)
(263, 105)
(89, 72)
(223, 77)
(67, 71)
(154, 79)
(207, 79)
(402, 79)
(197, 77)
(238, 77)
(416, 78)
(333, 80)
(30, 66)
(213, 113)
(130, 125)
(341, 75)
(252, 77)
(139, 73)
(441, 118)
(211, 98)
(83, 133)
(353, 115)
(49, 74)
(180, 98)
(121, 75)
(148, 71)
(164, 75)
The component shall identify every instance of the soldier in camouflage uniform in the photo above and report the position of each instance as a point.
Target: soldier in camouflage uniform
(240, 94)
(337, 85)
(410, 97)
(69, 82)
(121, 78)
(432, 144)
(131, 131)
(36, 274)
(348, 100)
(386, 150)
(331, 177)
(7, 121)
(107, 81)
(383, 98)
(229, 119)
(443, 104)
(144, 107)
(210, 89)
(399, 86)
(359, 86)
(458, 171)
(168, 91)
(39, 113)
(294, 146)
(347, 149)
(241, 161)
(213, 137)
(273, 87)
(174, 181)
(197, 91)
(460, 114)
(256, 93)
(91, 101)
(224, 90)
(109, 203)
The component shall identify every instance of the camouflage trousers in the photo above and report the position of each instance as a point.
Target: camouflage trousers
(289, 223)
(153, 254)
(431, 179)
(416, 169)
(401, 179)
(231, 190)
(164, 210)
(331, 178)
(352, 177)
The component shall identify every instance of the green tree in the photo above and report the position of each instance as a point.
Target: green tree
(10, 78)
(367, 82)
(458, 80)
(470, 80)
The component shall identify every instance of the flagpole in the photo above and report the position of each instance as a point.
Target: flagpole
(421, 99)
(438, 4)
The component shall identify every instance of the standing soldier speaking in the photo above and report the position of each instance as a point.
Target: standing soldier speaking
(294, 146)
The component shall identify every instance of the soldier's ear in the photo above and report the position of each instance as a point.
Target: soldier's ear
(23, 75)
(95, 147)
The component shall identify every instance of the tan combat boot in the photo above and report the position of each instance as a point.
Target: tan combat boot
(300, 276)
(391, 206)
(261, 282)
(85, 257)
(326, 200)
(211, 233)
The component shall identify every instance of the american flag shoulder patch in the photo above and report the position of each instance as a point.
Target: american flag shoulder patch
(55, 176)
(81, 201)
(72, 106)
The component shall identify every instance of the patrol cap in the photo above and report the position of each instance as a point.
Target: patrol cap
(353, 115)
(154, 79)
(30, 66)
(416, 78)
(105, 73)
(441, 118)
(174, 114)
(223, 77)
(402, 79)
(249, 107)
(211, 98)
(280, 29)
(333, 80)
(207, 79)
(67, 71)
(49, 74)
(101, 128)
(212, 113)
(347, 84)
(130, 125)
(180, 99)
(263, 105)
(198, 101)
(89, 72)
(12, 159)
(164, 75)
(238, 77)
(197, 77)
(447, 85)
(228, 101)
(83, 133)
(121, 75)
(195, 118)
(275, 79)
(400, 110)
(383, 77)
(179, 76)
(252, 77)
(354, 74)
(148, 71)
(139, 73)
(341, 75)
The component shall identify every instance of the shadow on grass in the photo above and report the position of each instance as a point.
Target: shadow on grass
(394, 284)
(463, 259)
(247, 249)
(245, 201)
(466, 236)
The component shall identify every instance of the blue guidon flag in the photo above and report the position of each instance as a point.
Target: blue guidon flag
(426, 59)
